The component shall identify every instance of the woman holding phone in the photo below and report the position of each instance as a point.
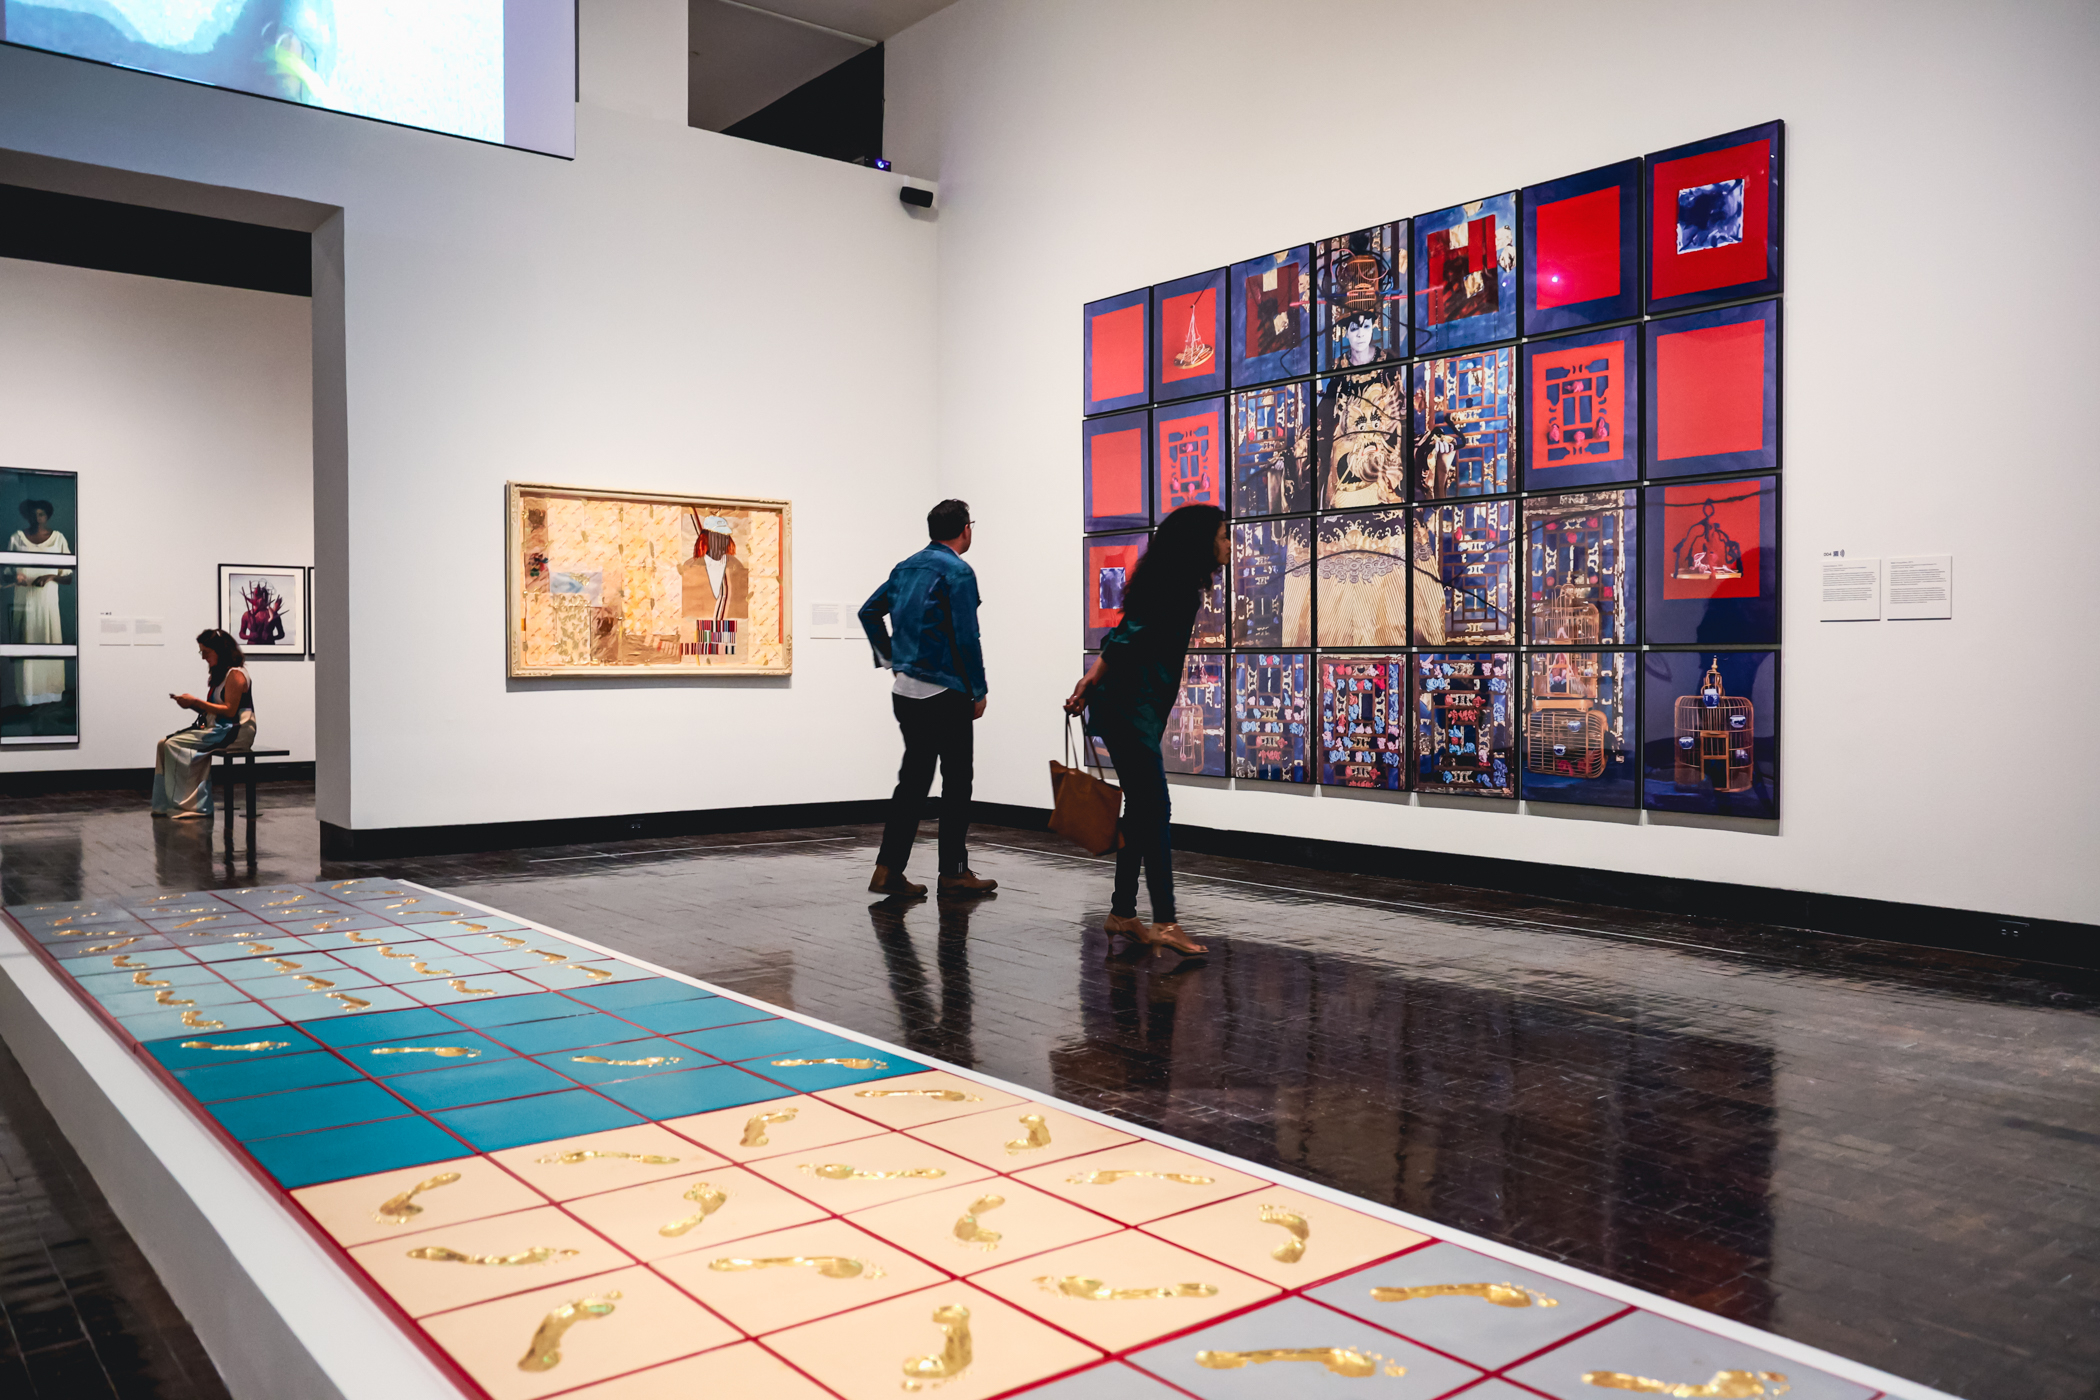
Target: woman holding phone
(225, 724)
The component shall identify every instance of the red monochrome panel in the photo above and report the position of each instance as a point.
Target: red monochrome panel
(1117, 473)
(1577, 251)
(1117, 346)
(1710, 391)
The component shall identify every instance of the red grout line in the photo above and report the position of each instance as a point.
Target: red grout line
(1553, 1346)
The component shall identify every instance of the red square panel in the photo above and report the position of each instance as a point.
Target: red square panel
(1117, 348)
(1117, 473)
(1101, 558)
(1672, 273)
(1701, 522)
(1189, 452)
(1710, 391)
(1578, 248)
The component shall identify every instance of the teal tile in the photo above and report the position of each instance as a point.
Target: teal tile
(228, 1047)
(308, 1159)
(602, 1064)
(513, 1078)
(504, 1011)
(491, 1127)
(522, 960)
(778, 1037)
(416, 961)
(810, 1078)
(338, 924)
(166, 1022)
(386, 1058)
(243, 949)
(663, 1096)
(643, 992)
(138, 1001)
(1676, 1354)
(475, 931)
(419, 907)
(304, 1110)
(177, 906)
(575, 976)
(182, 974)
(360, 1001)
(103, 949)
(567, 1033)
(103, 962)
(373, 1027)
(54, 907)
(363, 887)
(292, 962)
(293, 984)
(216, 924)
(468, 987)
(677, 1017)
(274, 1074)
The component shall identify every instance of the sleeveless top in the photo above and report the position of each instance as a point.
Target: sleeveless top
(217, 694)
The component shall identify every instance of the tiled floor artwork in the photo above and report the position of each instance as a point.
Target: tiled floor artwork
(576, 1176)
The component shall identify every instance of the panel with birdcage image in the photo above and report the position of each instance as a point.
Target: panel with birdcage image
(1711, 741)
(1580, 561)
(1578, 728)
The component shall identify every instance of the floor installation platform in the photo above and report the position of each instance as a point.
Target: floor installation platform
(458, 1152)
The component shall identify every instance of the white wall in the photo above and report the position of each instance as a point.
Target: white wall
(672, 311)
(187, 411)
(1941, 336)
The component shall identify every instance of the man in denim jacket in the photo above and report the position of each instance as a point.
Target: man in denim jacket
(932, 646)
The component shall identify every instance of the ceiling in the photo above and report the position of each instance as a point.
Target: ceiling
(744, 56)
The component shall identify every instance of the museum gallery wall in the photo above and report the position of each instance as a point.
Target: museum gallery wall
(1503, 482)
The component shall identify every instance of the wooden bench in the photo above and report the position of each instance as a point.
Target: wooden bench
(226, 762)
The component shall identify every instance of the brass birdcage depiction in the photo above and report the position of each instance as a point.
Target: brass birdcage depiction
(1716, 736)
(1564, 731)
(1568, 618)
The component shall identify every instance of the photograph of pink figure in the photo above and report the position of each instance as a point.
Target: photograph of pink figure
(263, 606)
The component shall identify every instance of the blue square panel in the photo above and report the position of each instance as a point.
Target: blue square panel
(1464, 1325)
(810, 1078)
(129, 960)
(304, 1110)
(391, 1026)
(202, 1020)
(602, 1064)
(504, 1011)
(138, 1001)
(56, 907)
(459, 1046)
(677, 1017)
(575, 976)
(513, 1078)
(468, 987)
(351, 1001)
(273, 1074)
(228, 1047)
(691, 1091)
(567, 1033)
(781, 1037)
(401, 963)
(102, 914)
(491, 1127)
(644, 992)
(307, 1159)
(103, 983)
(1291, 1324)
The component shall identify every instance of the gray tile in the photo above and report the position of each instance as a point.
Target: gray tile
(1657, 1349)
(1294, 1324)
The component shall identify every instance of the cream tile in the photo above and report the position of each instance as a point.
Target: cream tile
(980, 1225)
(1127, 1262)
(745, 1369)
(885, 1168)
(426, 1285)
(349, 1210)
(637, 1217)
(1239, 1232)
(1139, 1182)
(815, 1124)
(648, 1322)
(767, 1299)
(542, 1164)
(864, 1354)
(912, 1099)
(1020, 1135)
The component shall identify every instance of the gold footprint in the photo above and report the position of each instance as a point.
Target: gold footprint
(443, 1052)
(1038, 1134)
(652, 1060)
(459, 984)
(123, 960)
(428, 971)
(168, 998)
(284, 964)
(198, 1021)
(356, 937)
(970, 1232)
(546, 956)
(1343, 1361)
(1292, 1249)
(327, 924)
(147, 979)
(207, 919)
(281, 903)
(507, 941)
(544, 1353)
(702, 1195)
(1107, 1178)
(539, 1254)
(839, 1171)
(938, 1095)
(386, 950)
(315, 984)
(471, 928)
(755, 1129)
(251, 946)
(399, 1210)
(253, 1045)
(1502, 1295)
(592, 1154)
(825, 1265)
(354, 1003)
(1726, 1385)
(599, 973)
(848, 1064)
(109, 947)
(954, 1356)
(1094, 1290)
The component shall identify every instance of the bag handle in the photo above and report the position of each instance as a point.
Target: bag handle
(1078, 761)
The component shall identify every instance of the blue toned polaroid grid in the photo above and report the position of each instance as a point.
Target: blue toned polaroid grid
(1465, 423)
(1466, 261)
(1361, 287)
(1272, 441)
(1270, 715)
(1580, 718)
(1710, 738)
(1581, 238)
(1272, 329)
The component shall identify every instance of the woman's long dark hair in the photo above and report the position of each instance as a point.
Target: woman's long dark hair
(1179, 566)
(225, 652)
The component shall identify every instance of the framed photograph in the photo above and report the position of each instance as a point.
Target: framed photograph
(1465, 723)
(1582, 233)
(1360, 579)
(1362, 438)
(1108, 561)
(1116, 457)
(1582, 409)
(263, 607)
(1465, 275)
(1195, 737)
(1363, 722)
(1714, 223)
(639, 583)
(1581, 553)
(1465, 575)
(1362, 284)
(1710, 556)
(1117, 332)
(1272, 330)
(1465, 422)
(39, 607)
(1189, 450)
(1188, 354)
(1269, 714)
(1272, 440)
(1713, 392)
(1272, 583)
(1580, 712)
(1710, 737)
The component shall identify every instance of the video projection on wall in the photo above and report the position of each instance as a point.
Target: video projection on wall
(502, 71)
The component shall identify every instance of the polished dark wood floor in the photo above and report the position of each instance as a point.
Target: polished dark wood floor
(1890, 1152)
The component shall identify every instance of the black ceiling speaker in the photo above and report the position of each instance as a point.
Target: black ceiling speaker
(917, 198)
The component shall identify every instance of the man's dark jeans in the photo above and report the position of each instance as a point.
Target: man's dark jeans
(936, 729)
(1147, 832)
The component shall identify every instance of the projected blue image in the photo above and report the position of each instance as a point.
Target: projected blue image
(439, 65)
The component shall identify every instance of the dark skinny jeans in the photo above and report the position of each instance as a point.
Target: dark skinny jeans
(1147, 836)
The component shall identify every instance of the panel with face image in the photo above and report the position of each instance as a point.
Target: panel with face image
(39, 608)
(1362, 284)
(1362, 447)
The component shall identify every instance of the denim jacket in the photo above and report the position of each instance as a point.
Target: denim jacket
(924, 597)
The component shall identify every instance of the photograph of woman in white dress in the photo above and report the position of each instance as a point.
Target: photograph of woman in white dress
(33, 613)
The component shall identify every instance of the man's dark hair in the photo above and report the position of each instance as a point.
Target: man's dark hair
(947, 520)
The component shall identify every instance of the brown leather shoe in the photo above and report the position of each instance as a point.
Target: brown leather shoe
(886, 883)
(967, 882)
(1129, 925)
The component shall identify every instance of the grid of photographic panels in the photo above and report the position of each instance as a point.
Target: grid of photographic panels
(1503, 482)
(565, 1172)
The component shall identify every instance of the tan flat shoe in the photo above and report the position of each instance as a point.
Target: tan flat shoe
(1172, 936)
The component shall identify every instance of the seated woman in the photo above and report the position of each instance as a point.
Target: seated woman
(225, 724)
